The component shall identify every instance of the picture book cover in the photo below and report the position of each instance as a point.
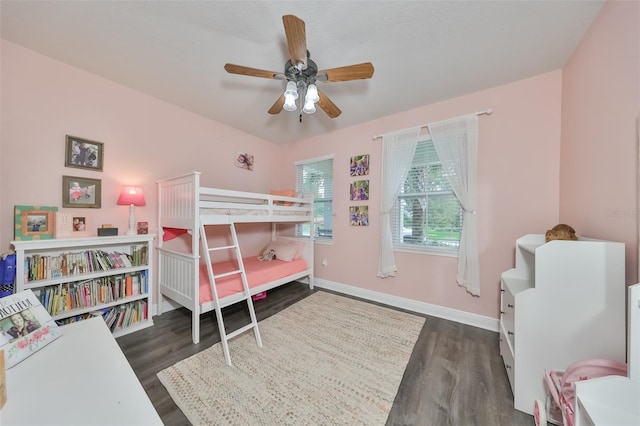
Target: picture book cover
(25, 327)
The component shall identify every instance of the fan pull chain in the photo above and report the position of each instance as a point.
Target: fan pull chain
(301, 118)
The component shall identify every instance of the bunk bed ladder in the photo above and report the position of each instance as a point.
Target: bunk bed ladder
(224, 336)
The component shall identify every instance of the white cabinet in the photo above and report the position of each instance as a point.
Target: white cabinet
(77, 278)
(563, 302)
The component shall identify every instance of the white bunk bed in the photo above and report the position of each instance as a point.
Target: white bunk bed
(185, 277)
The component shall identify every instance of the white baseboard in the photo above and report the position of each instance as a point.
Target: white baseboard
(462, 317)
(475, 320)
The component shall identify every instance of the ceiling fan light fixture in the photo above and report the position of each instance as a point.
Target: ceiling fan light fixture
(291, 90)
(289, 103)
(312, 94)
(309, 107)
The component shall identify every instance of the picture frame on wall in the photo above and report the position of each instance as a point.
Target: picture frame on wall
(359, 190)
(81, 192)
(84, 154)
(34, 223)
(359, 165)
(359, 215)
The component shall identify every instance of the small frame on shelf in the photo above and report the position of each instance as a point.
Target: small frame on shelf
(84, 154)
(34, 223)
(81, 192)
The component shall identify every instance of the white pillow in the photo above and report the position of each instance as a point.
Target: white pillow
(286, 250)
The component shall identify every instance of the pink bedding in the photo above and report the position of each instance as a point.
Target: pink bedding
(258, 273)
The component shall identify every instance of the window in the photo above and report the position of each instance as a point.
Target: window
(427, 214)
(316, 177)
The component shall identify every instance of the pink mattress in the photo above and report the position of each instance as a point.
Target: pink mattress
(258, 273)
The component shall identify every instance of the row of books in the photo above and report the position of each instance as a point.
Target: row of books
(123, 316)
(117, 317)
(43, 267)
(64, 297)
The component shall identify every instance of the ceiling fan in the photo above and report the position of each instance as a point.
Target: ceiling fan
(301, 74)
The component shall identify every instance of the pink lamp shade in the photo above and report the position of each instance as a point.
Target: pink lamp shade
(131, 195)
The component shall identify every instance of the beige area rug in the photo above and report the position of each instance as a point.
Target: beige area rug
(325, 360)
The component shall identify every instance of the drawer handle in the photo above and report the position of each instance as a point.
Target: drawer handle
(501, 312)
(509, 305)
(502, 290)
(511, 333)
(507, 365)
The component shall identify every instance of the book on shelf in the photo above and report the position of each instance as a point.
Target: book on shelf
(25, 327)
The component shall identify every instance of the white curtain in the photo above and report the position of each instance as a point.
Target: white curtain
(456, 142)
(397, 154)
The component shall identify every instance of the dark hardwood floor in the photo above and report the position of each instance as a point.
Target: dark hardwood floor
(455, 375)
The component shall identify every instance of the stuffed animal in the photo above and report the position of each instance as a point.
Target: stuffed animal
(561, 232)
(268, 255)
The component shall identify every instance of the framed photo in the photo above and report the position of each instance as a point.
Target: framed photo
(359, 215)
(81, 192)
(359, 190)
(84, 154)
(359, 165)
(34, 223)
(143, 228)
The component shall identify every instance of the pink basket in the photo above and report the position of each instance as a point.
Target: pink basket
(259, 296)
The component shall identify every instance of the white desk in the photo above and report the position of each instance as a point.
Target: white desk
(607, 401)
(82, 378)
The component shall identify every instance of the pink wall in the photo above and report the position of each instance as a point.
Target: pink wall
(599, 155)
(145, 139)
(518, 171)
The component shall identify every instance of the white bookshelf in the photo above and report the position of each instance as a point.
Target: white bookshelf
(563, 302)
(89, 273)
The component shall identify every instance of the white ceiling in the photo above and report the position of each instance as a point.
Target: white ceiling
(423, 51)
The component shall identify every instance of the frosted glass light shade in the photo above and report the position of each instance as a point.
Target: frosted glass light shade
(312, 94)
(309, 107)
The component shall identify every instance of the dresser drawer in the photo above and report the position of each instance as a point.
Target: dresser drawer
(507, 313)
(507, 357)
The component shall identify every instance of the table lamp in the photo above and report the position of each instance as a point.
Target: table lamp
(131, 196)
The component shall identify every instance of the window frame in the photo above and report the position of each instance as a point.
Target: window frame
(316, 201)
(396, 226)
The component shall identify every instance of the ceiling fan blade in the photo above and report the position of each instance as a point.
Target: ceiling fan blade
(253, 72)
(277, 106)
(328, 106)
(350, 72)
(294, 29)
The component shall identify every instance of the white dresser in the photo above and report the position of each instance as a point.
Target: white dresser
(563, 302)
(81, 378)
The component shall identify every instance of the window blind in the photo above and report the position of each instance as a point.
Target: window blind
(427, 212)
(316, 177)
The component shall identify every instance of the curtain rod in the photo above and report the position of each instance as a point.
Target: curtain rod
(487, 111)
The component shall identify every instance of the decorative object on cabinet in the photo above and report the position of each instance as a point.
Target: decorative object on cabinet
(78, 278)
(561, 232)
(143, 228)
(359, 190)
(244, 161)
(359, 165)
(563, 302)
(34, 222)
(81, 192)
(359, 215)
(84, 154)
(131, 196)
(26, 326)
